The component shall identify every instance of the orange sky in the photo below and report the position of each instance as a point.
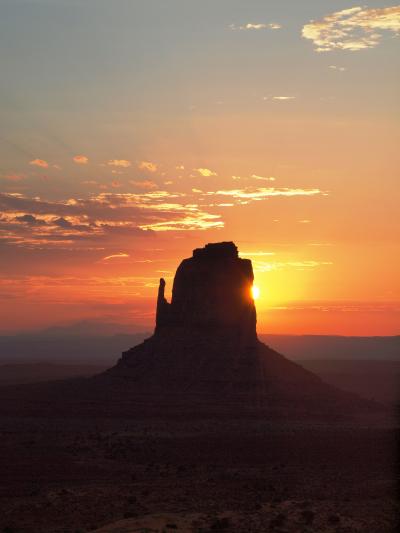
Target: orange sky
(254, 125)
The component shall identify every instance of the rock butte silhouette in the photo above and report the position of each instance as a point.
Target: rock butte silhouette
(204, 358)
(205, 354)
(205, 339)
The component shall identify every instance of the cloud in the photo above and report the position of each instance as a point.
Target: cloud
(262, 178)
(124, 163)
(255, 254)
(205, 172)
(257, 26)
(63, 223)
(254, 177)
(148, 165)
(341, 307)
(268, 266)
(248, 194)
(144, 184)
(30, 219)
(80, 160)
(352, 29)
(116, 256)
(283, 98)
(196, 221)
(339, 69)
(39, 163)
(106, 219)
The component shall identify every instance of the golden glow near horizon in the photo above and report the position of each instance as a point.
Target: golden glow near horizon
(255, 292)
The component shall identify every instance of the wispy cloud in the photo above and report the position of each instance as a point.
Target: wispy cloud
(67, 290)
(278, 98)
(198, 221)
(283, 98)
(248, 194)
(144, 184)
(107, 219)
(352, 29)
(121, 255)
(124, 163)
(256, 26)
(39, 163)
(255, 254)
(148, 165)
(268, 266)
(80, 160)
(339, 69)
(205, 172)
(341, 307)
(254, 177)
(263, 178)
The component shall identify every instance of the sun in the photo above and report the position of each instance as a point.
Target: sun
(255, 292)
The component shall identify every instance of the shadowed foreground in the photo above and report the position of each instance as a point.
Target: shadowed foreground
(71, 475)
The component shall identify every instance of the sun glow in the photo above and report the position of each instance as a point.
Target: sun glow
(255, 292)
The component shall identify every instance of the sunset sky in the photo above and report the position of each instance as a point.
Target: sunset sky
(132, 131)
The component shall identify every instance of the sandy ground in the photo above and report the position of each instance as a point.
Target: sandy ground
(124, 475)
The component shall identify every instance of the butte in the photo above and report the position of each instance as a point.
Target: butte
(203, 360)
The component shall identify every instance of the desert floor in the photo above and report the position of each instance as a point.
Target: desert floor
(121, 475)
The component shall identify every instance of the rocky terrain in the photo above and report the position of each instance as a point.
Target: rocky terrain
(71, 475)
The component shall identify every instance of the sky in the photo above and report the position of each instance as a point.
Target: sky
(133, 131)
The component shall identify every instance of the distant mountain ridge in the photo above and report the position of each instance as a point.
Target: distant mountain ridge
(335, 347)
(66, 348)
(82, 328)
(92, 342)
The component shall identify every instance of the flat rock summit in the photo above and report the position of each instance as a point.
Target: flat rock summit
(204, 358)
